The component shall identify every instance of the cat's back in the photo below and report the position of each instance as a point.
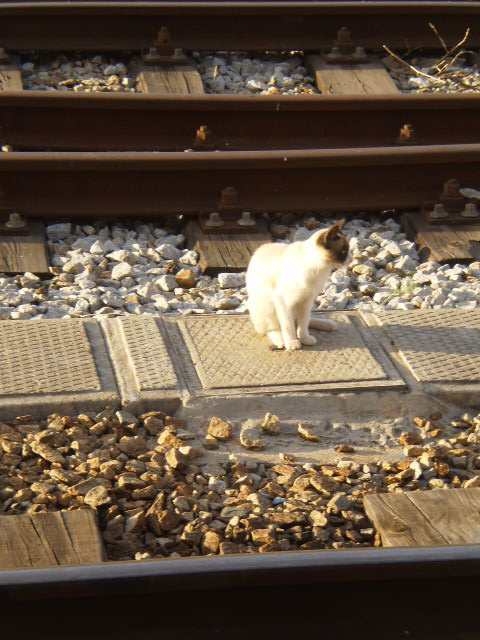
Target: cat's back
(265, 262)
(268, 253)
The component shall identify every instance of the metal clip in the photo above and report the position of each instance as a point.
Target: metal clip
(439, 211)
(246, 219)
(470, 211)
(15, 221)
(214, 220)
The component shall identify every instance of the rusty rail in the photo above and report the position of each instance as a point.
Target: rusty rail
(110, 26)
(149, 184)
(38, 121)
(348, 594)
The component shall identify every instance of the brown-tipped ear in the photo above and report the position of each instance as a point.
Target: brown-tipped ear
(331, 234)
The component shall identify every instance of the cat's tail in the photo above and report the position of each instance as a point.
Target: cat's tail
(322, 324)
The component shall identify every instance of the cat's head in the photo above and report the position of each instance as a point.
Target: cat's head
(334, 243)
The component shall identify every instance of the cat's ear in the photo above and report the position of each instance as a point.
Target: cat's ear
(331, 234)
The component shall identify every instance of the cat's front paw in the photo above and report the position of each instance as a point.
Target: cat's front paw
(293, 345)
(308, 340)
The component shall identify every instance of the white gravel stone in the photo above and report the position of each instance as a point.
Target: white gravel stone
(229, 280)
(239, 73)
(121, 270)
(58, 231)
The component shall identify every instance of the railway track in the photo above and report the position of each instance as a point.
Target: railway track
(123, 184)
(345, 594)
(262, 26)
(55, 121)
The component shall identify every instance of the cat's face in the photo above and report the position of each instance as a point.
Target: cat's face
(335, 244)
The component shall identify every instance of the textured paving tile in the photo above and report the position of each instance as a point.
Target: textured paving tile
(142, 362)
(227, 353)
(438, 345)
(56, 364)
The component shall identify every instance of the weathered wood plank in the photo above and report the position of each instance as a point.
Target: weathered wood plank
(48, 539)
(219, 252)
(19, 254)
(11, 75)
(443, 243)
(426, 518)
(335, 79)
(179, 79)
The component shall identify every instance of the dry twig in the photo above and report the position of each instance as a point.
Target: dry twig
(442, 41)
(411, 67)
(443, 60)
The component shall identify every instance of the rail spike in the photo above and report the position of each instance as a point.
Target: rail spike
(164, 52)
(344, 50)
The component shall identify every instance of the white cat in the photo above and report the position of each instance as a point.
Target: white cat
(283, 281)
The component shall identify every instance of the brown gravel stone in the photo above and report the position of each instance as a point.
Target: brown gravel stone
(47, 453)
(262, 536)
(409, 437)
(344, 448)
(323, 484)
(271, 424)
(153, 425)
(132, 445)
(210, 542)
(220, 429)
(162, 520)
(176, 459)
(83, 487)
(185, 278)
(135, 521)
(169, 439)
(249, 442)
(286, 518)
(413, 451)
(442, 468)
(306, 434)
(318, 519)
(97, 497)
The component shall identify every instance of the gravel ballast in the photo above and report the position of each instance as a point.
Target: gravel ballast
(115, 269)
(155, 497)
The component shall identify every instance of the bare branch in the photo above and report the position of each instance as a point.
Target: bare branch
(437, 66)
(442, 41)
(414, 69)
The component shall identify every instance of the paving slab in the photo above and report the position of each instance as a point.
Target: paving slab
(439, 350)
(228, 355)
(143, 363)
(54, 365)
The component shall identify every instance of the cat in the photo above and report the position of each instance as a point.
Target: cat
(283, 281)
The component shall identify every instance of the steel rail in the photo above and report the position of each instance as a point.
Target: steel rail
(148, 184)
(307, 26)
(344, 594)
(37, 121)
